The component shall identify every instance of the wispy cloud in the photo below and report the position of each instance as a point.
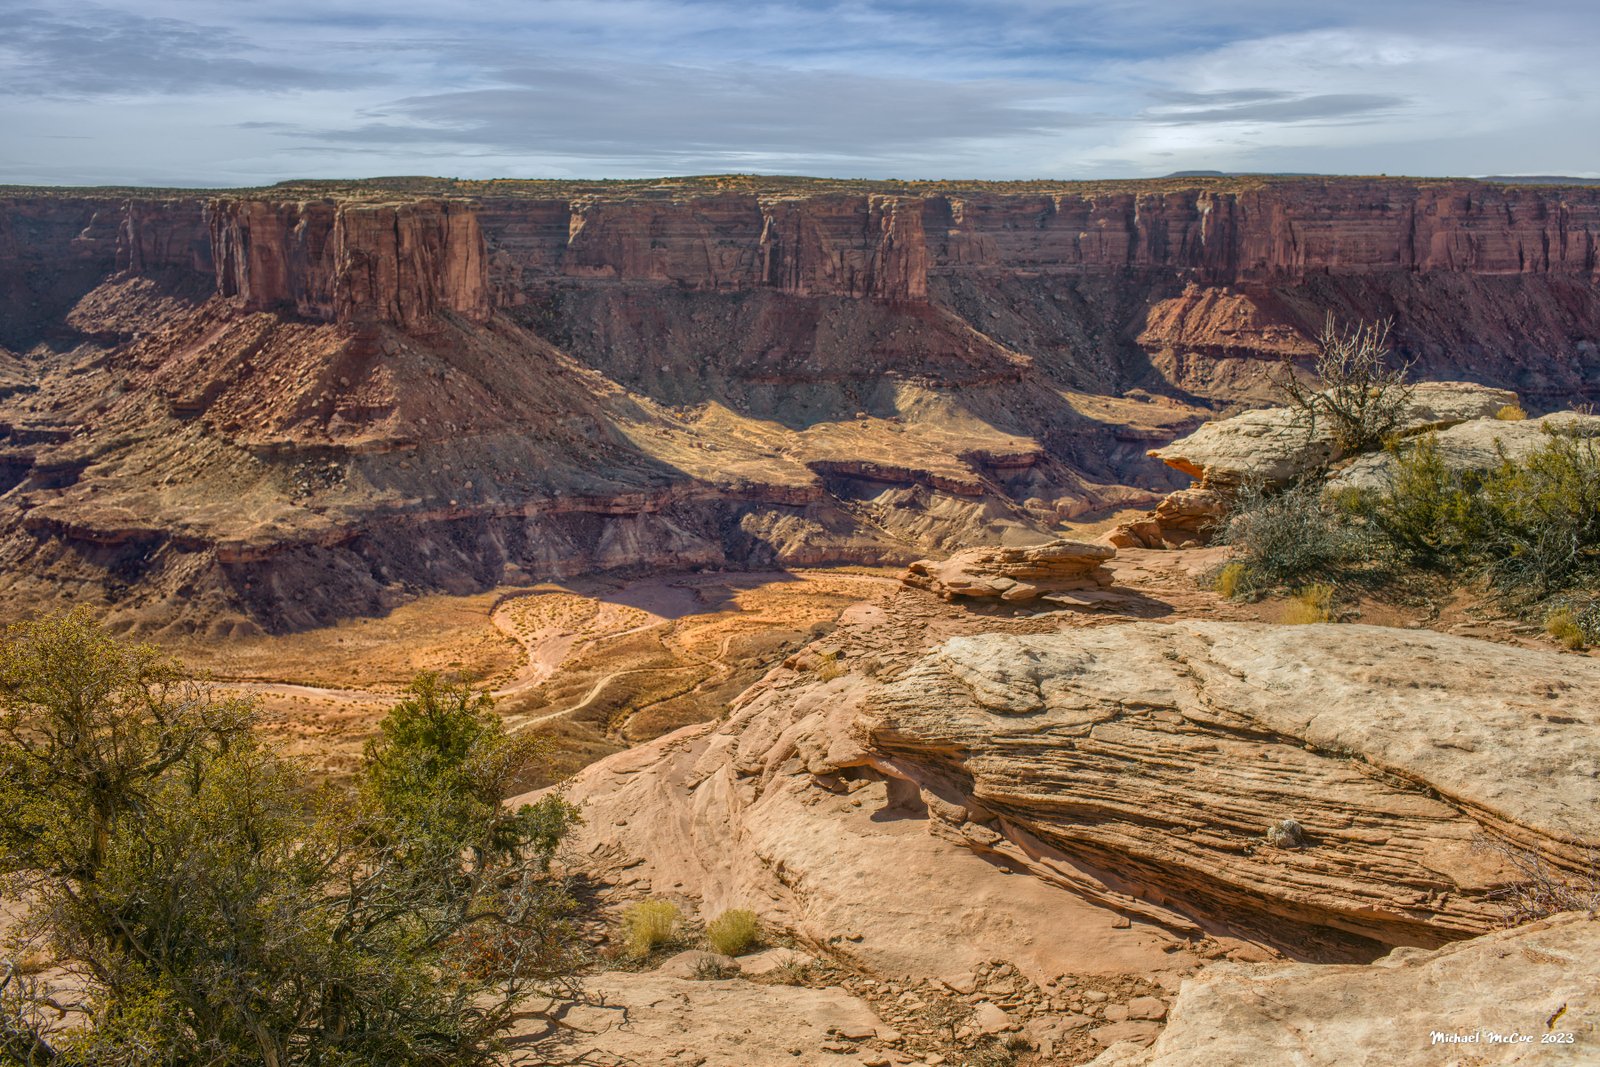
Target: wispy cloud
(173, 90)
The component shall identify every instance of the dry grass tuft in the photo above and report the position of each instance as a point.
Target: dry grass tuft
(734, 932)
(648, 925)
(1563, 625)
(1511, 413)
(1312, 604)
(1230, 581)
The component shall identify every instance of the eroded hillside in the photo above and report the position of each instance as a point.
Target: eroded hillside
(267, 410)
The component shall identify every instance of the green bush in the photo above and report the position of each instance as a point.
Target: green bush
(226, 910)
(734, 932)
(1543, 518)
(1429, 513)
(648, 925)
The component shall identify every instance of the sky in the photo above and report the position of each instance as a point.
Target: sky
(245, 92)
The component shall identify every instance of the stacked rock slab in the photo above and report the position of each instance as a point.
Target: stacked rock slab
(1478, 445)
(1016, 574)
(1272, 447)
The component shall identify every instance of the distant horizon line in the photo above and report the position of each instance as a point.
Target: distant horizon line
(756, 176)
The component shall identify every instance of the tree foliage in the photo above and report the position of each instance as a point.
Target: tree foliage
(215, 906)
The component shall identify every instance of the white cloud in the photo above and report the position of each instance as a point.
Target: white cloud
(163, 91)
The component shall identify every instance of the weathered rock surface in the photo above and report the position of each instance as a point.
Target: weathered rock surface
(1471, 446)
(668, 1021)
(1536, 982)
(1128, 771)
(1272, 446)
(1017, 575)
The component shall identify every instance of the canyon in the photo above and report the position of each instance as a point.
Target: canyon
(261, 411)
(807, 526)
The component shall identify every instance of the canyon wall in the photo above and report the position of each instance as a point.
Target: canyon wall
(401, 262)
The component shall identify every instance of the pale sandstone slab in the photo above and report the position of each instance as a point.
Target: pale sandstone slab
(1471, 446)
(1016, 574)
(1534, 981)
(1272, 446)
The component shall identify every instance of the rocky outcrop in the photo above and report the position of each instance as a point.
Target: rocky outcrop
(351, 263)
(1131, 769)
(1273, 446)
(1527, 995)
(1479, 445)
(1017, 575)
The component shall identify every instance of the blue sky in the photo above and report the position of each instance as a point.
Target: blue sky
(233, 92)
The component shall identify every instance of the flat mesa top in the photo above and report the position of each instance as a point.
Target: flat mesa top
(669, 188)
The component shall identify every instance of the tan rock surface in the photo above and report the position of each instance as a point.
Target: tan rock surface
(1476, 445)
(1537, 981)
(1273, 445)
(662, 1021)
(921, 811)
(1014, 574)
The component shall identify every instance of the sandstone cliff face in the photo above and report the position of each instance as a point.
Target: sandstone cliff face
(393, 263)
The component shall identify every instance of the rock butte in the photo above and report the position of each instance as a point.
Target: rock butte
(264, 410)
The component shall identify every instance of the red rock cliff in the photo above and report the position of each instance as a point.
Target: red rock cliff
(397, 263)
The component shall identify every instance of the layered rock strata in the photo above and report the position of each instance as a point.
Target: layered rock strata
(1018, 575)
(1129, 770)
(383, 389)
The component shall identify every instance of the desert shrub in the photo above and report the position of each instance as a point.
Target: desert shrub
(1539, 889)
(1230, 580)
(1357, 394)
(712, 969)
(1430, 513)
(1543, 519)
(1312, 604)
(733, 932)
(1290, 537)
(1511, 413)
(793, 971)
(648, 925)
(218, 907)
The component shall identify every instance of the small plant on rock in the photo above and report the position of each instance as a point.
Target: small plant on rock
(648, 925)
(734, 932)
(1563, 625)
(793, 971)
(1511, 413)
(1230, 580)
(712, 969)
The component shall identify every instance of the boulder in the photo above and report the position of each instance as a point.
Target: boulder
(1273, 446)
(1476, 445)
(1526, 995)
(1181, 517)
(1016, 574)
